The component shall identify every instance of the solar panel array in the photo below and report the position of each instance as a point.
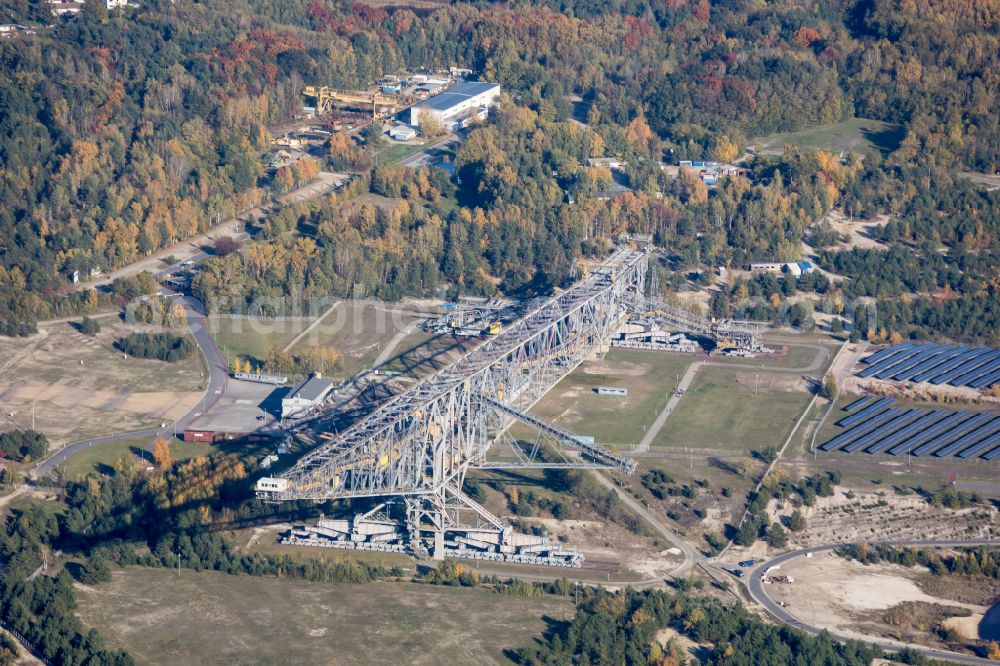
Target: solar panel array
(876, 426)
(976, 367)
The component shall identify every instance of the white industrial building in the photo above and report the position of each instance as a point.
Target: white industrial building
(402, 133)
(457, 106)
(67, 8)
(305, 396)
(794, 268)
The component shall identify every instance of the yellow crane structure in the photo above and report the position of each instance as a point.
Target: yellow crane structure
(326, 98)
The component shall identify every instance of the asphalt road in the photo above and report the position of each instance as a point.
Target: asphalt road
(822, 353)
(432, 153)
(759, 594)
(218, 377)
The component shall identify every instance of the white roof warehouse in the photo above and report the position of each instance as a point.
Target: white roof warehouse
(306, 395)
(458, 105)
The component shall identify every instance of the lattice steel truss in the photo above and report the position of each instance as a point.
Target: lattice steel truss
(725, 332)
(420, 444)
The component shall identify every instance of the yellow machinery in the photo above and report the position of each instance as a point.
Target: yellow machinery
(494, 328)
(326, 97)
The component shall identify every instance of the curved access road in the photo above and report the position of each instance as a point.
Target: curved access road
(759, 594)
(218, 377)
(691, 556)
(822, 354)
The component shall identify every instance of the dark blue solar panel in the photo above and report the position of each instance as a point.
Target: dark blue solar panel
(913, 428)
(992, 455)
(976, 373)
(869, 371)
(839, 440)
(911, 362)
(947, 377)
(952, 434)
(995, 453)
(885, 353)
(985, 368)
(884, 430)
(963, 369)
(863, 429)
(847, 436)
(842, 438)
(932, 431)
(932, 362)
(988, 428)
(957, 362)
(859, 403)
(988, 380)
(894, 360)
(979, 447)
(865, 413)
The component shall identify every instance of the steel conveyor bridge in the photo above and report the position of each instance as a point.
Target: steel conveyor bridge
(419, 445)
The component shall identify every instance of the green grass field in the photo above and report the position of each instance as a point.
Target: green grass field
(886, 476)
(360, 330)
(399, 152)
(650, 377)
(213, 618)
(422, 354)
(102, 457)
(719, 412)
(252, 338)
(855, 135)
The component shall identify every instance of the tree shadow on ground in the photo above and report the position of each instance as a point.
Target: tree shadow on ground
(886, 140)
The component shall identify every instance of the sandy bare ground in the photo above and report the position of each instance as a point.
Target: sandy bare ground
(859, 232)
(600, 541)
(617, 368)
(841, 595)
(989, 181)
(940, 393)
(871, 517)
(843, 366)
(82, 387)
(664, 636)
(967, 627)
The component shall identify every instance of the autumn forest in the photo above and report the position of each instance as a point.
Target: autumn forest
(124, 132)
